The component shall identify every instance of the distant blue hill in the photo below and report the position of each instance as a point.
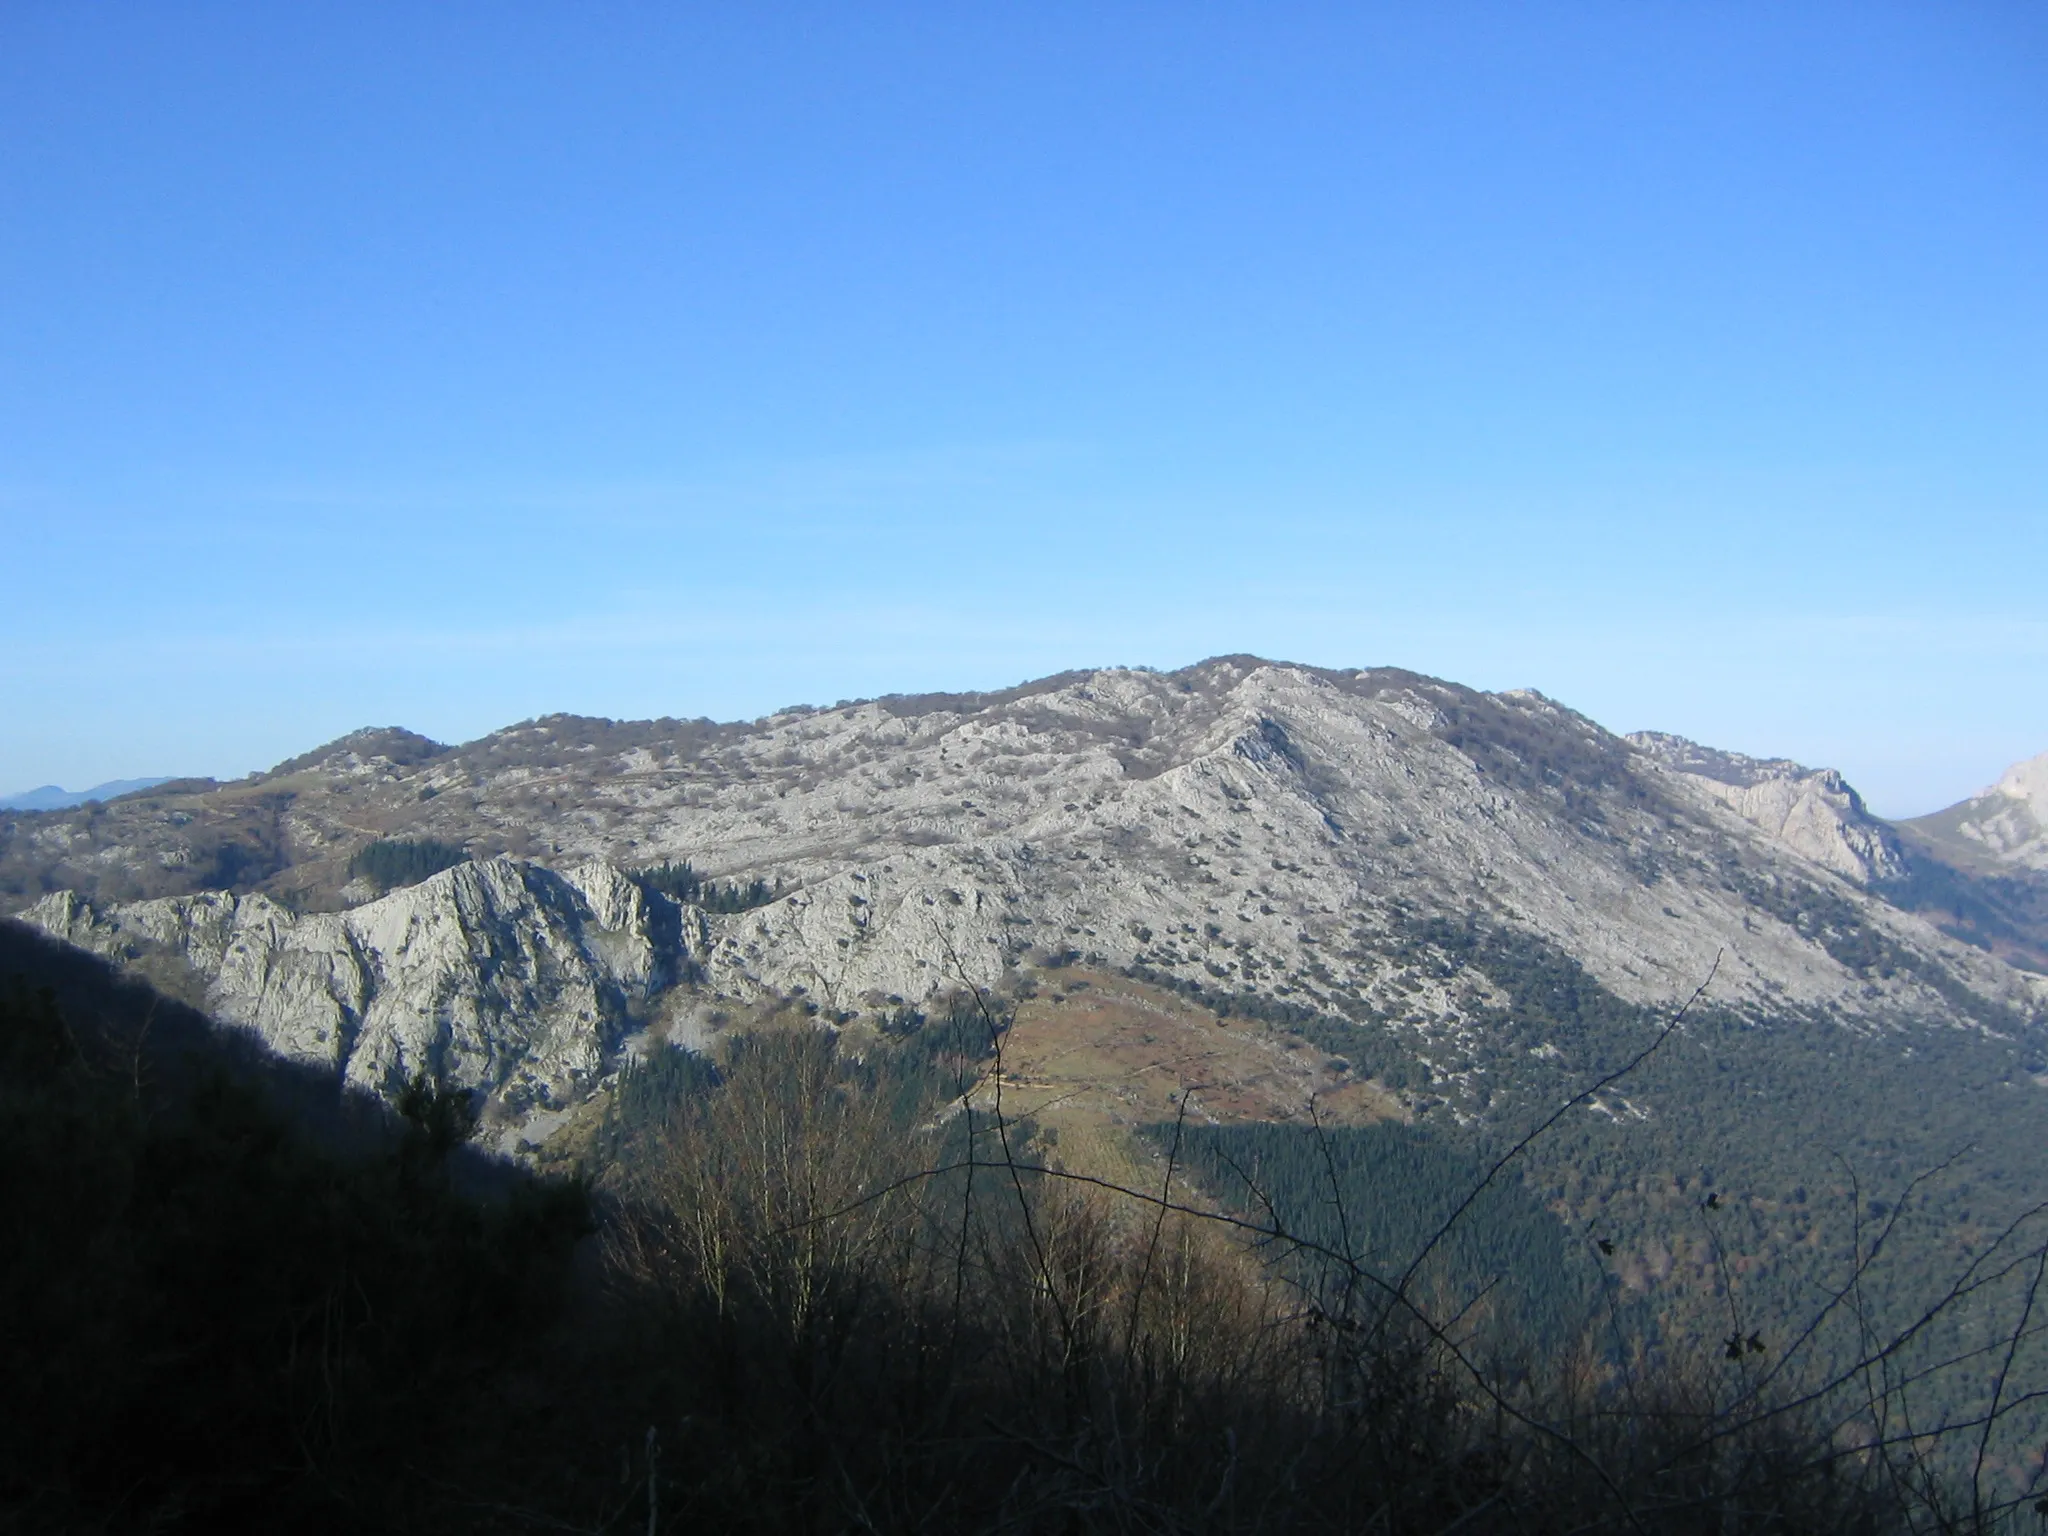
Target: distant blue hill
(51, 798)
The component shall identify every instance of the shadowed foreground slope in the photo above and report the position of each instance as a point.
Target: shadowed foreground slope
(827, 1292)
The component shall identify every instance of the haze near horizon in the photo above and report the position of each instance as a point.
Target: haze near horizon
(448, 367)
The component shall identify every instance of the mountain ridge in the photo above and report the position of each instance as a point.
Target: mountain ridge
(1241, 829)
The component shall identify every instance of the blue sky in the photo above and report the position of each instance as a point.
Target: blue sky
(445, 365)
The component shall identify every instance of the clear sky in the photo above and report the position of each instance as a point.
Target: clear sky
(443, 365)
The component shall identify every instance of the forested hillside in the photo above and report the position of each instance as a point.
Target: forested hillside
(807, 1283)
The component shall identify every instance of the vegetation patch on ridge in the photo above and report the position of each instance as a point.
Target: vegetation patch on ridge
(679, 882)
(393, 863)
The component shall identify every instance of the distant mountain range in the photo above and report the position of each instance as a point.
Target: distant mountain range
(50, 797)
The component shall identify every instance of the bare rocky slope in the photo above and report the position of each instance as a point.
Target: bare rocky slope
(1812, 811)
(1271, 833)
(1979, 869)
(2003, 828)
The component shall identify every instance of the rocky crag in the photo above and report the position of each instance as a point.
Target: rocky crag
(2002, 829)
(1812, 811)
(499, 976)
(1979, 869)
(1271, 833)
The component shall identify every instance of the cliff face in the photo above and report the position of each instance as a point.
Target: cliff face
(1812, 811)
(502, 977)
(1246, 827)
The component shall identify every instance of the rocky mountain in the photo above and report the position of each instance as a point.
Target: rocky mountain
(1314, 919)
(2001, 829)
(1970, 870)
(1979, 869)
(1275, 838)
(499, 976)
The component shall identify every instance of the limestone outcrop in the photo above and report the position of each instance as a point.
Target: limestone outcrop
(1812, 811)
(2003, 828)
(502, 977)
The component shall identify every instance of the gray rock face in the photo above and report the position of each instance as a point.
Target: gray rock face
(1812, 811)
(2003, 828)
(1241, 825)
(502, 977)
